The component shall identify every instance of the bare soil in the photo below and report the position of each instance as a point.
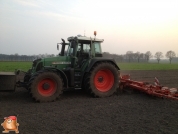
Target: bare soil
(78, 113)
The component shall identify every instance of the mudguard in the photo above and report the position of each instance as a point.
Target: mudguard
(63, 75)
(101, 59)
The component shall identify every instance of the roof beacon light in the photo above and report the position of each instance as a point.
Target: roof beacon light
(95, 33)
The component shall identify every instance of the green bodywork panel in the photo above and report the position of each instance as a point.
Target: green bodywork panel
(59, 62)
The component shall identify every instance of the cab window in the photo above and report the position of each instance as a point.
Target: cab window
(97, 48)
(70, 50)
(86, 48)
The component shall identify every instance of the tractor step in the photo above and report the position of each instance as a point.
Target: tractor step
(7, 81)
(77, 84)
(77, 79)
(77, 76)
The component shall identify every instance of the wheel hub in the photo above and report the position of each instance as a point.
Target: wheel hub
(46, 86)
(104, 80)
(100, 79)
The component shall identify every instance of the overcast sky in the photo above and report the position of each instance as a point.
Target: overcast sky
(36, 26)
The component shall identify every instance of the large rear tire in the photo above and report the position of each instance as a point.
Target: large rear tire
(46, 86)
(103, 80)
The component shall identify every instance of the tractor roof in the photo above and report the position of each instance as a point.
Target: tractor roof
(84, 38)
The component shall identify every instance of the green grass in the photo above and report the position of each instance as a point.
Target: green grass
(11, 66)
(147, 66)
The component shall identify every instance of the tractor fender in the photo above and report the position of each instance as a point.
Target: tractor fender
(98, 60)
(63, 75)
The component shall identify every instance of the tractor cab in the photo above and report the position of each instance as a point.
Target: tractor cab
(82, 48)
(83, 44)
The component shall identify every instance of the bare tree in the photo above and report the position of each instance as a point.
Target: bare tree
(129, 55)
(170, 54)
(142, 55)
(138, 55)
(115, 56)
(148, 55)
(121, 58)
(134, 55)
(158, 56)
(106, 54)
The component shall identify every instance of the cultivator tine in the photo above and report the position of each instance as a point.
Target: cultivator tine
(156, 82)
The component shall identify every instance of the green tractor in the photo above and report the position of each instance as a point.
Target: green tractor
(79, 65)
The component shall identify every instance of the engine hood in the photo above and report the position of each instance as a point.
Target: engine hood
(57, 62)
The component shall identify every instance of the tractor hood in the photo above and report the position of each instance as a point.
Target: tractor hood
(49, 61)
(59, 62)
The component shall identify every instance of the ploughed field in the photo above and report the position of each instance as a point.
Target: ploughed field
(78, 113)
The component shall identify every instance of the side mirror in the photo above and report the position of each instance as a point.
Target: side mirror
(63, 40)
(58, 46)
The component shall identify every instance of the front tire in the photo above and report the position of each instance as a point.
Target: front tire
(46, 86)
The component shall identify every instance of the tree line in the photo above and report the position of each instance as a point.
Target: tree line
(130, 56)
(17, 57)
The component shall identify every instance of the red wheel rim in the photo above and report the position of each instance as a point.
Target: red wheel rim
(47, 87)
(104, 80)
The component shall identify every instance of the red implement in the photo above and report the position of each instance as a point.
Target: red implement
(154, 90)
